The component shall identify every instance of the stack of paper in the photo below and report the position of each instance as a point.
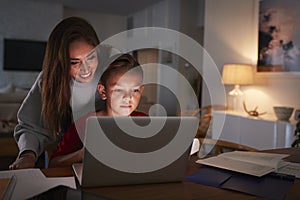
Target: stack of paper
(30, 182)
(253, 163)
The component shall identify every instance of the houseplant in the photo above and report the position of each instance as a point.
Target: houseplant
(296, 143)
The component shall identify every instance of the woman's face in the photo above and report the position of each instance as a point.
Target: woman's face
(83, 61)
(122, 93)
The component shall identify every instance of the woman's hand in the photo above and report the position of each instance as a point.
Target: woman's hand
(25, 160)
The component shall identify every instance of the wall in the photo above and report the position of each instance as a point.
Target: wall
(25, 20)
(105, 25)
(230, 36)
(35, 20)
(182, 16)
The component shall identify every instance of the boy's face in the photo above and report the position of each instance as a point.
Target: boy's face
(122, 93)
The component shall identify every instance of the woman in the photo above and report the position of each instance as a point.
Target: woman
(70, 63)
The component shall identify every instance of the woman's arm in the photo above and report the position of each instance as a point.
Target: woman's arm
(30, 133)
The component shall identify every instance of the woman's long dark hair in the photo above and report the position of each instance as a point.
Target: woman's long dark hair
(56, 91)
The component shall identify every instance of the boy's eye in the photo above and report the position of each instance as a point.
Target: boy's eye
(135, 90)
(117, 90)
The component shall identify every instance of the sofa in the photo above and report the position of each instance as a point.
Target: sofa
(11, 99)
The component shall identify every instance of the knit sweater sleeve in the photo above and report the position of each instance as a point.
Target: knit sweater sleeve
(30, 132)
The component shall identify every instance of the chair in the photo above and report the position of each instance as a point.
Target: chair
(48, 151)
(205, 115)
(219, 146)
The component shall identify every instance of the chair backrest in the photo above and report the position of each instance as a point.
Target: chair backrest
(205, 116)
(205, 120)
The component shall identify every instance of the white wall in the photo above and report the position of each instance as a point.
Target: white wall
(105, 25)
(231, 36)
(25, 20)
(35, 20)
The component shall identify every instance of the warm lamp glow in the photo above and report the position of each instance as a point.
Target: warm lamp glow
(237, 74)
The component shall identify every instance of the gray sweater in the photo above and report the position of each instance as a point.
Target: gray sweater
(30, 132)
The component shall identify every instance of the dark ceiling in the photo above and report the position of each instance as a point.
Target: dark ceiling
(116, 7)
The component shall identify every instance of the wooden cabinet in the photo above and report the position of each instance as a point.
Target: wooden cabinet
(263, 132)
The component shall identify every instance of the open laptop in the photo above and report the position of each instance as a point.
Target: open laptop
(135, 150)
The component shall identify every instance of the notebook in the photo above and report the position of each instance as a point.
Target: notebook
(135, 150)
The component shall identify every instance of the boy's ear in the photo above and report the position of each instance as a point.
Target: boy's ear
(142, 88)
(102, 92)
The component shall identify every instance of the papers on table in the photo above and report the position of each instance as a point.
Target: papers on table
(195, 146)
(290, 169)
(7, 186)
(30, 182)
(252, 163)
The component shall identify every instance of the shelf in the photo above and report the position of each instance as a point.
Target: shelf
(265, 132)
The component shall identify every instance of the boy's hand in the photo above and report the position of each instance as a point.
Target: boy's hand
(80, 154)
(25, 160)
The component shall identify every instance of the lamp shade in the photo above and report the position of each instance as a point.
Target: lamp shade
(237, 74)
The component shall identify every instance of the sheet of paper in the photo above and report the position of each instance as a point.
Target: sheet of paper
(30, 182)
(290, 169)
(267, 159)
(236, 165)
(195, 146)
(67, 181)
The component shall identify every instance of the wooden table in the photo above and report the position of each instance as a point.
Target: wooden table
(183, 190)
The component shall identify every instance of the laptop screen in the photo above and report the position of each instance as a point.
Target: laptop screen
(134, 150)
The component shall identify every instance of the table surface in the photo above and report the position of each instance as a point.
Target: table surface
(181, 190)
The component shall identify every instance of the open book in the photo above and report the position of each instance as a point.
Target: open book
(253, 163)
(31, 182)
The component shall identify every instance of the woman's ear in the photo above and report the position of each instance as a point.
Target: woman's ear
(102, 92)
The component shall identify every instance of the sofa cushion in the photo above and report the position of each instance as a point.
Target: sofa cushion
(14, 97)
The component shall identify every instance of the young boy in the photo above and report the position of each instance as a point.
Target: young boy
(121, 86)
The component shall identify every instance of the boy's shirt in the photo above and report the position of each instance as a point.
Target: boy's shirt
(71, 141)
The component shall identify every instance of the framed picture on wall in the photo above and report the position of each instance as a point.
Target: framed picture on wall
(279, 36)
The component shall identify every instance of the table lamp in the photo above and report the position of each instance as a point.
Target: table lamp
(237, 74)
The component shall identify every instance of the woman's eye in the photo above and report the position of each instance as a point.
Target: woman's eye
(91, 57)
(74, 63)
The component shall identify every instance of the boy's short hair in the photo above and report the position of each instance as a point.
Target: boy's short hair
(123, 63)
